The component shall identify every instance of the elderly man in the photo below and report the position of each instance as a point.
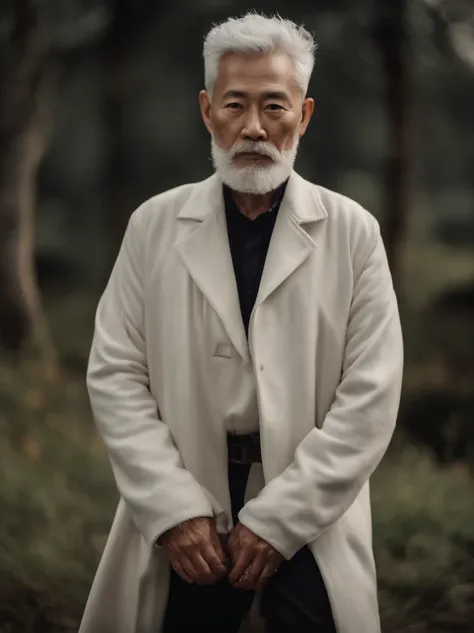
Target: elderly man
(245, 374)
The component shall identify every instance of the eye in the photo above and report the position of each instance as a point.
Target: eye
(275, 107)
(234, 105)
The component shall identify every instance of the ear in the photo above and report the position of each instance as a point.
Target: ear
(306, 114)
(205, 105)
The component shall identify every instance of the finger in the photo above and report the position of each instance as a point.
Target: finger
(244, 559)
(218, 545)
(224, 543)
(268, 572)
(214, 560)
(234, 548)
(234, 535)
(188, 568)
(204, 574)
(176, 565)
(252, 574)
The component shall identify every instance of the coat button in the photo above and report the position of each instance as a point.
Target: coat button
(261, 367)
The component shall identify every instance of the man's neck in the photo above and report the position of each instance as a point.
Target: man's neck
(252, 205)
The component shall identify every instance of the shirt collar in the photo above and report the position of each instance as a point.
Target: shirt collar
(274, 207)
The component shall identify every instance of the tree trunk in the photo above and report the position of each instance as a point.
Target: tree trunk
(23, 129)
(392, 37)
(129, 18)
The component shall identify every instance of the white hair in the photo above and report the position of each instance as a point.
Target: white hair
(255, 33)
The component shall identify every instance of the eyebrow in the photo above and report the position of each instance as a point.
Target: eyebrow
(274, 94)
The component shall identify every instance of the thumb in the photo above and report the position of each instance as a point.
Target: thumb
(216, 542)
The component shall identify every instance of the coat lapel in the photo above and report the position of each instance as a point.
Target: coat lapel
(291, 244)
(206, 254)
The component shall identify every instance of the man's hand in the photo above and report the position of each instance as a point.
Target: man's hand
(195, 551)
(254, 561)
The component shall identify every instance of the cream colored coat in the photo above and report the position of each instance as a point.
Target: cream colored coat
(326, 348)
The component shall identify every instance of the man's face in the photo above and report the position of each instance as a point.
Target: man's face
(256, 117)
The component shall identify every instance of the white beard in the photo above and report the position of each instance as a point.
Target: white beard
(254, 179)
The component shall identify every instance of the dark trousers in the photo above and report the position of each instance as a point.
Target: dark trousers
(293, 601)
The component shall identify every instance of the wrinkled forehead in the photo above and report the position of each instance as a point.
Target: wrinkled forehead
(255, 74)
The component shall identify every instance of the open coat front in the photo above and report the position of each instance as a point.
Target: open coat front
(325, 346)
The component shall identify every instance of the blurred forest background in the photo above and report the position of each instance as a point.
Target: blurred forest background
(98, 111)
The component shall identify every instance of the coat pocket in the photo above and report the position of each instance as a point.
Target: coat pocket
(223, 350)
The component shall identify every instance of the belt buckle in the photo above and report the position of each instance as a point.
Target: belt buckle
(239, 452)
(242, 453)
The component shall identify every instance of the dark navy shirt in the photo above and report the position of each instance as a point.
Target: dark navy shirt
(249, 241)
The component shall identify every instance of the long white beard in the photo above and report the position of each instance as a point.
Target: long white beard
(254, 179)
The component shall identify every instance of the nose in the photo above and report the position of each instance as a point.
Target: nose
(253, 129)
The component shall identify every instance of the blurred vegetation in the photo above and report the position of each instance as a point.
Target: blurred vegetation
(424, 544)
(121, 123)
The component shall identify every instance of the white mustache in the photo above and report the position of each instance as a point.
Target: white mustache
(248, 147)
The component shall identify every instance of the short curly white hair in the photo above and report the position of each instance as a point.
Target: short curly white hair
(257, 33)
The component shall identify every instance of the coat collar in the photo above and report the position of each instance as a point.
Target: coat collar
(301, 197)
(206, 254)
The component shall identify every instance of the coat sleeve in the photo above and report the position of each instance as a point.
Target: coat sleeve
(147, 467)
(333, 462)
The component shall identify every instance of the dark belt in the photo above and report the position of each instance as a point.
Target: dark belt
(244, 449)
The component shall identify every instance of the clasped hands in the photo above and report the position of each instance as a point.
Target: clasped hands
(196, 554)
